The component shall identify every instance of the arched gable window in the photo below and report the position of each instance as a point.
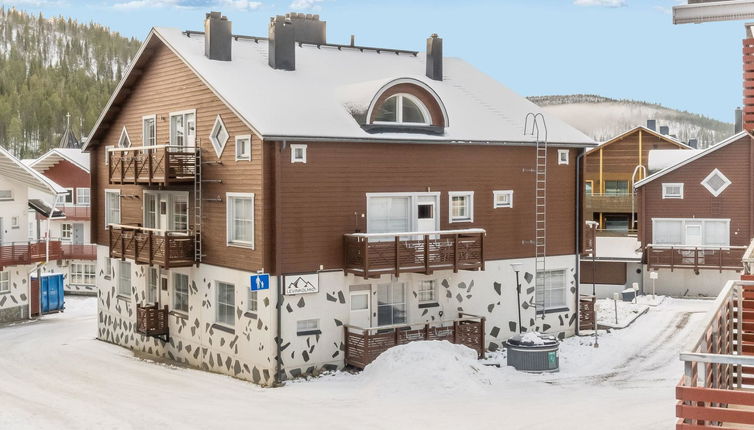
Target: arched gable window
(402, 108)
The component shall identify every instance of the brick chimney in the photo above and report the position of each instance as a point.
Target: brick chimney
(748, 59)
(217, 37)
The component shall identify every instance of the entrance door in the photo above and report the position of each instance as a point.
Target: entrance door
(163, 218)
(426, 216)
(391, 303)
(694, 235)
(360, 309)
(78, 233)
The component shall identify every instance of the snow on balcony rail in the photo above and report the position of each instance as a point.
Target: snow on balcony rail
(421, 233)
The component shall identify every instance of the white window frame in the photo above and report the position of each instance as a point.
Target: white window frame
(219, 304)
(66, 231)
(124, 133)
(173, 199)
(684, 222)
(216, 143)
(433, 292)
(107, 151)
(301, 159)
(124, 267)
(548, 306)
(82, 274)
(561, 153)
(307, 327)
(399, 110)
(153, 284)
(144, 140)
(176, 293)
(108, 209)
(470, 197)
(498, 193)
(4, 281)
(709, 188)
(252, 301)
(6, 195)
(69, 192)
(155, 219)
(413, 199)
(242, 157)
(14, 222)
(108, 272)
(83, 196)
(229, 212)
(171, 137)
(667, 195)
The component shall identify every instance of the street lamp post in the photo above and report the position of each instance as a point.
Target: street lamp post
(516, 268)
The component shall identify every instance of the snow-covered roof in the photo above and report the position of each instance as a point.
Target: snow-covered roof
(618, 248)
(55, 155)
(669, 139)
(12, 168)
(698, 154)
(661, 158)
(316, 101)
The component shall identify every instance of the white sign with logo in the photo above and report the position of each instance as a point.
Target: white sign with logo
(301, 284)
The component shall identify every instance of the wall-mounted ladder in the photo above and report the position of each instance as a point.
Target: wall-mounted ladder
(540, 210)
(198, 204)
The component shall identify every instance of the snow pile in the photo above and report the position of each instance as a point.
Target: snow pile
(429, 367)
(532, 338)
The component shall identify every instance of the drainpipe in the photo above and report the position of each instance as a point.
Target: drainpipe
(579, 214)
(278, 259)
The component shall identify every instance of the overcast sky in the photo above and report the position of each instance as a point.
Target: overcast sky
(614, 48)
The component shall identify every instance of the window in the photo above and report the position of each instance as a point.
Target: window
(716, 233)
(307, 327)
(616, 222)
(82, 274)
(226, 304)
(461, 206)
(563, 156)
(686, 232)
(6, 195)
(68, 198)
(66, 231)
(253, 303)
(243, 148)
(427, 292)
(180, 292)
(183, 128)
(83, 196)
(14, 222)
(149, 130)
(298, 153)
(554, 294)
(124, 141)
(107, 154)
(391, 303)
(153, 282)
(108, 267)
(667, 232)
(388, 214)
(4, 281)
(402, 109)
(588, 187)
(219, 136)
(240, 219)
(180, 212)
(716, 182)
(112, 207)
(124, 278)
(672, 191)
(616, 187)
(151, 214)
(502, 199)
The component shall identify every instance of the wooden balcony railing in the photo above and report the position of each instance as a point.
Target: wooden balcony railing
(715, 390)
(72, 213)
(696, 258)
(71, 251)
(17, 253)
(622, 202)
(150, 165)
(151, 320)
(374, 254)
(363, 345)
(150, 246)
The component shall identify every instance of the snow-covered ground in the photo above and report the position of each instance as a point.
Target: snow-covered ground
(626, 312)
(54, 374)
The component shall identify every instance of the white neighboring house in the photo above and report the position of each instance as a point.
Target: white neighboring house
(20, 256)
(69, 168)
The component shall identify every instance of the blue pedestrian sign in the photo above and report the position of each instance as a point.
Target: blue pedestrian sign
(260, 282)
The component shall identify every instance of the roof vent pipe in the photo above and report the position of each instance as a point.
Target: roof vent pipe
(652, 124)
(739, 121)
(217, 37)
(434, 57)
(282, 44)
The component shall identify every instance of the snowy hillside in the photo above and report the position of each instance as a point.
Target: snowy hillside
(603, 118)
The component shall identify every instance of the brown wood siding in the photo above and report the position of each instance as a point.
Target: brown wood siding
(735, 162)
(319, 199)
(168, 85)
(605, 272)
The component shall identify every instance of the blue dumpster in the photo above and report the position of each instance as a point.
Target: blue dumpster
(51, 290)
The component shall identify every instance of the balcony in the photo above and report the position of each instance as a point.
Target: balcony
(70, 213)
(153, 321)
(150, 246)
(716, 388)
(375, 254)
(70, 251)
(696, 258)
(610, 203)
(18, 253)
(363, 345)
(152, 165)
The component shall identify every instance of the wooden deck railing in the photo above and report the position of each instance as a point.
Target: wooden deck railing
(150, 246)
(162, 165)
(151, 320)
(619, 202)
(696, 258)
(374, 254)
(71, 251)
(363, 345)
(35, 251)
(719, 365)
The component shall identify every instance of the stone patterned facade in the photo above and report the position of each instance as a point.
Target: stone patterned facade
(14, 305)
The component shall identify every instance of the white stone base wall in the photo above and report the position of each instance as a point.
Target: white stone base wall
(686, 283)
(14, 305)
